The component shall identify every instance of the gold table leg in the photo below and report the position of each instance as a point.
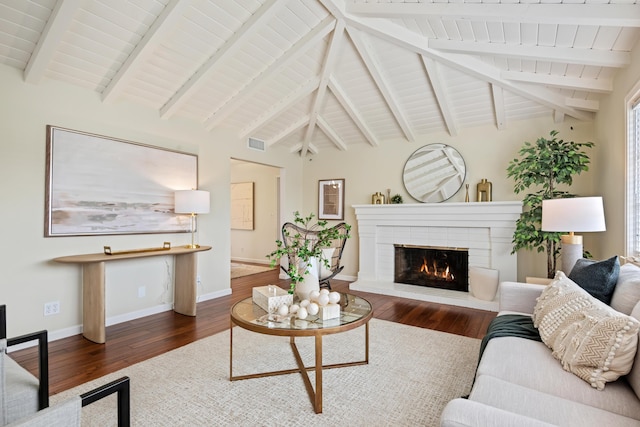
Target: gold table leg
(314, 394)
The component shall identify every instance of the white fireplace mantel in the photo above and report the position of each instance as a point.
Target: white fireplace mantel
(484, 228)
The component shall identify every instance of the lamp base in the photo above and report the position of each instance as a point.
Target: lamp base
(571, 252)
(192, 246)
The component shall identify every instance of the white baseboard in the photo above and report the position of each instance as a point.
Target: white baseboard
(121, 318)
(214, 295)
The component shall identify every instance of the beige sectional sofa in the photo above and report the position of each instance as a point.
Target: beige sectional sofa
(519, 382)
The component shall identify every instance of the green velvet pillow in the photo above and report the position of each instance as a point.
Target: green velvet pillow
(599, 278)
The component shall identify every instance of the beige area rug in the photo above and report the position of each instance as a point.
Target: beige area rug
(239, 270)
(411, 375)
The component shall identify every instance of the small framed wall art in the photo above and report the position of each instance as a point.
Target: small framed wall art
(331, 199)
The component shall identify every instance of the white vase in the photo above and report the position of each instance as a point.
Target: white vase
(483, 282)
(310, 281)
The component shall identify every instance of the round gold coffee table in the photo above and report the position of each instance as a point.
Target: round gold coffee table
(354, 312)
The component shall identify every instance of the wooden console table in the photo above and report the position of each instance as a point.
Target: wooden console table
(93, 284)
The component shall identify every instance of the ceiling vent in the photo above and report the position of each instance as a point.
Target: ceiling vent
(256, 144)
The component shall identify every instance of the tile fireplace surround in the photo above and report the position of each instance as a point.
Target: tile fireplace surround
(485, 228)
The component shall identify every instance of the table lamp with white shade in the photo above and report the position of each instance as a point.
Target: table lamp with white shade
(570, 215)
(192, 202)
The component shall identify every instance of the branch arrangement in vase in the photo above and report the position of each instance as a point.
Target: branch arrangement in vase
(305, 244)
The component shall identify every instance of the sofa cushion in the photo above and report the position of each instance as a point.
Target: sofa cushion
(588, 337)
(599, 278)
(634, 376)
(627, 291)
(530, 364)
(545, 407)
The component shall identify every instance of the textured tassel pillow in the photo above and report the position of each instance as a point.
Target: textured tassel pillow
(589, 338)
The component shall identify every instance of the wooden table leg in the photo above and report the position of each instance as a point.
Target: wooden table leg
(185, 287)
(93, 305)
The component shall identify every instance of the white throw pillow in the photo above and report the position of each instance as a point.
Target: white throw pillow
(627, 291)
(589, 338)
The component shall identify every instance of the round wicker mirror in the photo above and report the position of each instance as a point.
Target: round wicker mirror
(434, 173)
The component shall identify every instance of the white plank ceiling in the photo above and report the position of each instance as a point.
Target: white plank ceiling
(317, 75)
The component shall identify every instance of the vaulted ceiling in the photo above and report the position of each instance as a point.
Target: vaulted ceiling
(316, 75)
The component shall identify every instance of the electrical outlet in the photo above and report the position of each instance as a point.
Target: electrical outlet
(51, 308)
(198, 281)
(142, 291)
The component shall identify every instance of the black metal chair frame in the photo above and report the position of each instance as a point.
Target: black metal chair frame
(43, 355)
(122, 387)
(290, 230)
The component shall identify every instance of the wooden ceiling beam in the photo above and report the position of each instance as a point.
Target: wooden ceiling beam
(498, 106)
(327, 67)
(594, 57)
(296, 96)
(466, 64)
(614, 15)
(440, 92)
(150, 41)
(231, 46)
(61, 17)
(565, 82)
(373, 67)
(302, 46)
(331, 134)
(352, 111)
(289, 130)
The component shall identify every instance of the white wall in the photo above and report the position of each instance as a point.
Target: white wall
(253, 245)
(486, 151)
(29, 277)
(611, 157)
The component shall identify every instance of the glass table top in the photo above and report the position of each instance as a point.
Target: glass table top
(354, 311)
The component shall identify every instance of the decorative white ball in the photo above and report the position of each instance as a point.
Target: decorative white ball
(294, 308)
(304, 303)
(324, 291)
(323, 299)
(334, 297)
(313, 295)
(313, 309)
(283, 310)
(302, 313)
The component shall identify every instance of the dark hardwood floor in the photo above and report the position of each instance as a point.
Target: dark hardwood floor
(75, 360)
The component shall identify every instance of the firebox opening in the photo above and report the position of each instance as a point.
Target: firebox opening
(445, 268)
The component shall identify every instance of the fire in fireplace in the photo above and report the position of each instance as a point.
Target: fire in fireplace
(445, 268)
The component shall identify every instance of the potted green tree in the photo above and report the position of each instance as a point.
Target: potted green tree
(544, 166)
(302, 246)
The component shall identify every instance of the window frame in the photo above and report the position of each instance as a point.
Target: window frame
(632, 170)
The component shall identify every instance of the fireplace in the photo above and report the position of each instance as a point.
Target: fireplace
(435, 267)
(485, 228)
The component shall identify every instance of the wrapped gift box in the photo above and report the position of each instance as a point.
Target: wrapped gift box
(271, 297)
(329, 311)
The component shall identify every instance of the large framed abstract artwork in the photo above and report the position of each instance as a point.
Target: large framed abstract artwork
(101, 185)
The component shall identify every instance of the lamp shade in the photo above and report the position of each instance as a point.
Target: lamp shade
(577, 214)
(191, 201)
